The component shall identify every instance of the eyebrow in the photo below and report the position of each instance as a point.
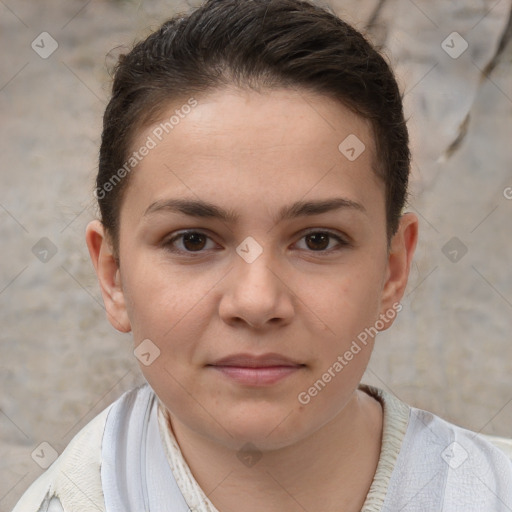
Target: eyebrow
(203, 209)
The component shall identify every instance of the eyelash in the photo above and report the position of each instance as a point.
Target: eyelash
(341, 241)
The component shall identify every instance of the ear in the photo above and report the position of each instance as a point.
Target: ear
(400, 256)
(109, 277)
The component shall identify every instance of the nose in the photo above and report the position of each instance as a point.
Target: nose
(257, 294)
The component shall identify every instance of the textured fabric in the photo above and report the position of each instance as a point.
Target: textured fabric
(73, 480)
(447, 468)
(190, 489)
(503, 443)
(55, 505)
(135, 474)
(394, 426)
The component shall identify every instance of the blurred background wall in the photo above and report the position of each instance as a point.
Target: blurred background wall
(61, 363)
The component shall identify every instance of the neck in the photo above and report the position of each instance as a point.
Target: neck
(330, 470)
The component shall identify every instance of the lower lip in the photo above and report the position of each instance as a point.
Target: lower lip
(262, 376)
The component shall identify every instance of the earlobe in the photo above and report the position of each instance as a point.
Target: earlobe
(400, 257)
(109, 277)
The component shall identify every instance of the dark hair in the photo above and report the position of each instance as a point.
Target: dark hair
(255, 44)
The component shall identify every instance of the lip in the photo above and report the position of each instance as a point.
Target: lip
(255, 361)
(253, 370)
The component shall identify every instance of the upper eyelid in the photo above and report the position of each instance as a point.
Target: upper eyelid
(303, 233)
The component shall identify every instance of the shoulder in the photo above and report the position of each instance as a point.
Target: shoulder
(74, 480)
(459, 444)
(428, 463)
(442, 464)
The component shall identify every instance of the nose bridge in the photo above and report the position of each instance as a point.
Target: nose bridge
(256, 293)
(254, 267)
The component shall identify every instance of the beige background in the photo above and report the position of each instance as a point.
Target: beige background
(450, 349)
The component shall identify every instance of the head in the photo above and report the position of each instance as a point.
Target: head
(253, 170)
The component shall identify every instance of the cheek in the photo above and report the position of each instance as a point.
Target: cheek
(349, 311)
(162, 300)
(170, 309)
(349, 302)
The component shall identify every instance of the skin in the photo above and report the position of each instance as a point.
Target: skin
(253, 153)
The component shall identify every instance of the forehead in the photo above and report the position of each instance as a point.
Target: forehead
(261, 145)
(247, 119)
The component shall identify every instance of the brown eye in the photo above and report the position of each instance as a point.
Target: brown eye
(189, 242)
(321, 242)
(194, 241)
(318, 241)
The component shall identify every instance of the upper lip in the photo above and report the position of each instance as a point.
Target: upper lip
(254, 361)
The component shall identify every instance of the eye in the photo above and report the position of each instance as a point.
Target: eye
(319, 241)
(197, 242)
(192, 241)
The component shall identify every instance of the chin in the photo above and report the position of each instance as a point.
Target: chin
(268, 428)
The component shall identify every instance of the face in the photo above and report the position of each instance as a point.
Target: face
(253, 254)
